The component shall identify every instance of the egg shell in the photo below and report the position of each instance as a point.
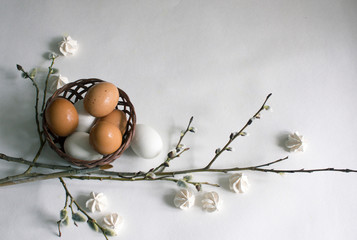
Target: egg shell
(61, 117)
(101, 99)
(105, 137)
(146, 142)
(77, 146)
(85, 120)
(118, 118)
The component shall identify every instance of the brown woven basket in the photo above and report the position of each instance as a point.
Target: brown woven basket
(74, 92)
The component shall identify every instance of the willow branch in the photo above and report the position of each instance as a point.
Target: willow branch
(38, 176)
(50, 70)
(81, 209)
(234, 136)
(19, 67)
(34, 164)
(101, 178)
(165, 164)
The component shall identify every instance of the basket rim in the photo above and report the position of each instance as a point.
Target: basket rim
(124, 101)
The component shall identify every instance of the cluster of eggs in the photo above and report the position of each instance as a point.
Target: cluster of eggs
(93, 127)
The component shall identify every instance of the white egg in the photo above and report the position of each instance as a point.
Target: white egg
(85, 120)
(146, 142)
(77, 146)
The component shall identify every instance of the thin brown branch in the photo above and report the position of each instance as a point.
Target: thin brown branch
(36, 102)
(38, 176)
(34, 164)
(81, 209)
(233, 137)
(165, 164)
(50, 70)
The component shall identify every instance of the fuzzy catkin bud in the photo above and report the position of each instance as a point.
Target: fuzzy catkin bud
(78, 217)
(187, 178)
(65, 221)
(182, 183)
(109, 232)
(92, 225)
(63, 214)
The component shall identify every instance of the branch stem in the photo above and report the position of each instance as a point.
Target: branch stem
(80, 208)
(231, 139)
(50, 70)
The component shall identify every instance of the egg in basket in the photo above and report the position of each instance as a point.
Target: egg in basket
(89, 122)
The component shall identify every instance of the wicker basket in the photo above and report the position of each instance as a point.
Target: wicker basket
(74, 92)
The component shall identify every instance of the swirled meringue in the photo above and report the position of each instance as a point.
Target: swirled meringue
(211, 202)
(68, 46)
(57, 82)
(113, 220)
(184, 199)
(97, 202)
(238, 183)
(295, 142)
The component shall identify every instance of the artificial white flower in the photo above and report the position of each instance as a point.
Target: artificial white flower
(68, 46)
(57, 82)
(113, 220)
(295, 142)
(184, 199)
(211, 202)
(238, 183)
(97, 202)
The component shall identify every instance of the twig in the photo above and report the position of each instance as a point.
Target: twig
(50, 70)
(39, 176)
(177, 154)
(81, 209)
(34, 160)
(234, 136)
(19, 67)
(165, 178)
(273, 162)
(34, 164)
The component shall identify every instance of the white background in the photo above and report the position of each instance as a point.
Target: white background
(217, 61)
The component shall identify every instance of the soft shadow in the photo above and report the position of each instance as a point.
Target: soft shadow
(198, 199)
(169, 198)
(9, 74)
(81, 199)
(129, 152)
(53, 45)
(48, 220)
(224, 183)
(281, 139)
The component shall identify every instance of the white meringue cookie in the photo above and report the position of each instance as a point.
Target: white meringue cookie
(113, 220)
(57, 82)
(295, 142)
(97, 202)
(68, 46)
(184, 199)
(211, 202)
(239, 183)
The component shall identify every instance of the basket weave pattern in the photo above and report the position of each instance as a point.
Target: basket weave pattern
(74, 92)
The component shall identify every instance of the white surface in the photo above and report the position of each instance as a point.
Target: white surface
(216, 60)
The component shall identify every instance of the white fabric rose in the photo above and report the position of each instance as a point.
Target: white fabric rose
(97, 202)
(68, 46)
(57, 82)
(184, 199)
(295, 142)
(211, 202)
(239, 183)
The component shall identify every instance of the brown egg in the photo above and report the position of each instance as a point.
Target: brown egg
(101, 99)
(61, 117)
(118, 118)
(105, 137)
